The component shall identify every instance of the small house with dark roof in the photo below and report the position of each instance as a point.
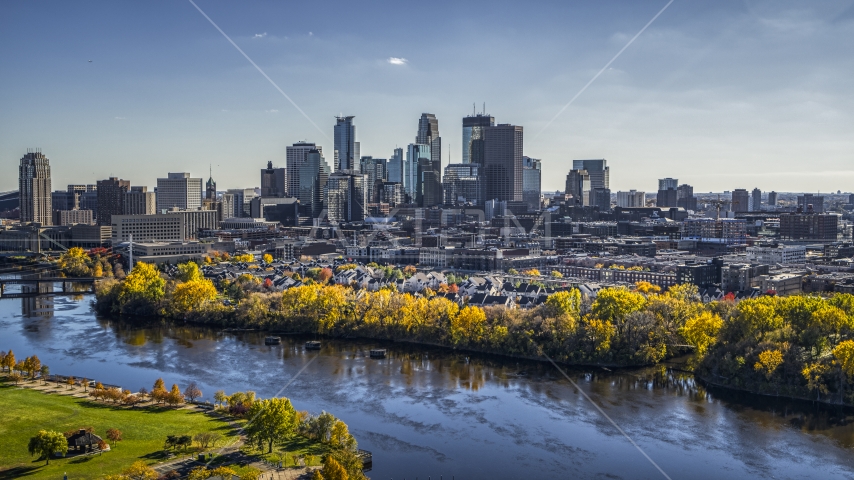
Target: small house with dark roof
(83, 441)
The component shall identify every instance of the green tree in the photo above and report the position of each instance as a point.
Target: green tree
(46, 443)
(272, 420)
(220, 397)
(45, 372)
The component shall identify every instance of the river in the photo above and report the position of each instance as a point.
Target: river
(428, 412)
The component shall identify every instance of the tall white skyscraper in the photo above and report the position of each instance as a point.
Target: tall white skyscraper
(179, 190)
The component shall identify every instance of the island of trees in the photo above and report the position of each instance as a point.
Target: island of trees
(798, 346)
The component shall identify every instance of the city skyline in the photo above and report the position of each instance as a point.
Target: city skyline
(746, 90)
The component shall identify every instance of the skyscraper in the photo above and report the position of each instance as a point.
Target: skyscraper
(668, 183)
(296, 157)
(578, 186)
(428, 134)
(740, 200)
(531, 182)
(346, 196)
(414, 154)
(685, 197)
(429, 185)
(345, 143)
(756, 196)
(667, 195)
(111, 199)
(597, 169)
(473, 137)
(395, 167)
(273, 182)
(178, 190)
(34, 188)
(772, 199)
(376, 170)
(503, 162)
(313, 176)
(463, 184)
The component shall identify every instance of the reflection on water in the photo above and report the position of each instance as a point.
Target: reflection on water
(426, 411)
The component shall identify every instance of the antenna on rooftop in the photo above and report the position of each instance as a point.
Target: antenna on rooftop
(484, 108)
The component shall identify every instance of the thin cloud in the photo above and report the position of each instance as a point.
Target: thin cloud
(260, 35)
(397, 61)
(272, 111)
(310, 34)
(121, 118)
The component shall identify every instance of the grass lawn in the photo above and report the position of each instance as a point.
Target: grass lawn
(311, 451)
(23, 412)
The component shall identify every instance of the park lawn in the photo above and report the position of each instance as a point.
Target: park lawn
(311, 450)
(23, 412)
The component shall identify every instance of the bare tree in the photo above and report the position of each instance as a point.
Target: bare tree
(192, 392)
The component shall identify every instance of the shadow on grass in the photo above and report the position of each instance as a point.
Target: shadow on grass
(17, 472)
(158, 455)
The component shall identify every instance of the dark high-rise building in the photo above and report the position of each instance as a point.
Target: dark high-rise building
(428, 134)
(578, 186)
(473, 148)
(273, 182)
(429, 186)
(756, 200)
(395, 167)
(531, 182)
(346, 156)
(411, 179)
(463, 184)
(600, 173)
(34, 188)
(685, 197)
(111, 199)
(740, 200)
(667, 195)
(376, 170)
(808, 226)
(601, 197)
(296, 157)
(772, 199)
(346, 196)
(503, 162)
(313, 175)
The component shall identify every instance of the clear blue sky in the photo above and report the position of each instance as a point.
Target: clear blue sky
(720, 94)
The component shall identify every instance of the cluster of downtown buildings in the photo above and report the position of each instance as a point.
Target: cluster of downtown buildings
(485, 214)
